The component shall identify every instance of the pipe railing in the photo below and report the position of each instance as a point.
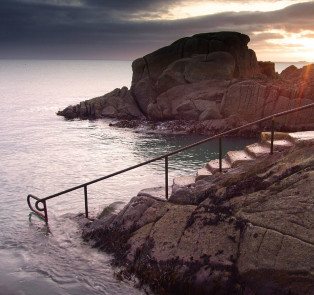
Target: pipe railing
(41, 205)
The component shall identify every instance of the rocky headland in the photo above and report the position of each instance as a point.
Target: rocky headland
(210, 81)
(248, 230)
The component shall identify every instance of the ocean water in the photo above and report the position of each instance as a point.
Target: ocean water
(41, 154)
(280, 66)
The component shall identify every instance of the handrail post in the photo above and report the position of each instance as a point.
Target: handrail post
(86, 201)
(166, 177)
(220, 154)
(45, 211)
(272, 135)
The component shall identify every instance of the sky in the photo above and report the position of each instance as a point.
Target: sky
(280, 30)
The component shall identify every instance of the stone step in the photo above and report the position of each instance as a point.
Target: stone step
(280, 145)
(257, 149)
(265, 136)
(237, 158)
(202, 173)
(303, 138)
(213, 166)
(155, 192)
(183, 181)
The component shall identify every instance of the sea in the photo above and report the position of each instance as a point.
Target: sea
(42, 153)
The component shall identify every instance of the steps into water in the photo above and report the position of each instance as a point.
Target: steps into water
(234, 159)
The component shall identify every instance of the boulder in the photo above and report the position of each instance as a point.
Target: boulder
(118, 103)
(235, 43)
(267, 68)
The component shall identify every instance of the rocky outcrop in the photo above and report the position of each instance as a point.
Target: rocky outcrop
(247, 231)
(118, 103)
(222, 55)
(205, 78)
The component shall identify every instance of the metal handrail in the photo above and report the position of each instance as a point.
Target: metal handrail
(43, 213)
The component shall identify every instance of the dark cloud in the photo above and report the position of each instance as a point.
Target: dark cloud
(101, 29)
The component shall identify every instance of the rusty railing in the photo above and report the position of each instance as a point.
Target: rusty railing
(41, 203)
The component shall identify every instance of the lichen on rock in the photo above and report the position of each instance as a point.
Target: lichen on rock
(249, 231)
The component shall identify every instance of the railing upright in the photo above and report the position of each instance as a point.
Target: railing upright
(220, 154)
(166, 178)
(86, 201)
(272, 135)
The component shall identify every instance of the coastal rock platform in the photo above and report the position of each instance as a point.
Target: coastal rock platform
(248, 230)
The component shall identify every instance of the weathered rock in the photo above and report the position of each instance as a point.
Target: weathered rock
(118, 103)
(252, 100)
(189, 101)
(155, 63)
(207, 77)
(249, 232)
(267, 68)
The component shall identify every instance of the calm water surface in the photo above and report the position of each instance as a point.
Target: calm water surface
(41, 153)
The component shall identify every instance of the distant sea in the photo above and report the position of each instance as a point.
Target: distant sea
(41, 153)
(280, 66)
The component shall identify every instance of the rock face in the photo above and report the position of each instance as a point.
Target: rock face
(205, 78)
(119, 103)
(222, 55)
(249, 231)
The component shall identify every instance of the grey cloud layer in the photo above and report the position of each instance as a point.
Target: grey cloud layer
(98, 23)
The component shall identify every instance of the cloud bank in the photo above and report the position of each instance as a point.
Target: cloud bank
(127, 29)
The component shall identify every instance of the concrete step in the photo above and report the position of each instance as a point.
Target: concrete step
(202, 173)
(280, 145)
(213, 166)
(265, 136)
(183, 181)
(303, 138)
(237, 158)
(257, 149)
(155, 192)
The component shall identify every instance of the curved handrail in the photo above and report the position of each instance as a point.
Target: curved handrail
(38, 210)
(164, 156)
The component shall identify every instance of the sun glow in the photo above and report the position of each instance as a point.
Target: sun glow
(200, 8)
(299, 45)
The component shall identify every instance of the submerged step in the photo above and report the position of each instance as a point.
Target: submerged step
(237, 158)
(213, 166)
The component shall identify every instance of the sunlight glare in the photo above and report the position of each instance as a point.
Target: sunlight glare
(199, 8)
(300, 45)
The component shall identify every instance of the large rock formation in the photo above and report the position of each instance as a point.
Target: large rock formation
(249, 231)
(206, 77)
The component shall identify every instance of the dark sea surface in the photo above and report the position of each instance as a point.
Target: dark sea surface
(41, 154)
